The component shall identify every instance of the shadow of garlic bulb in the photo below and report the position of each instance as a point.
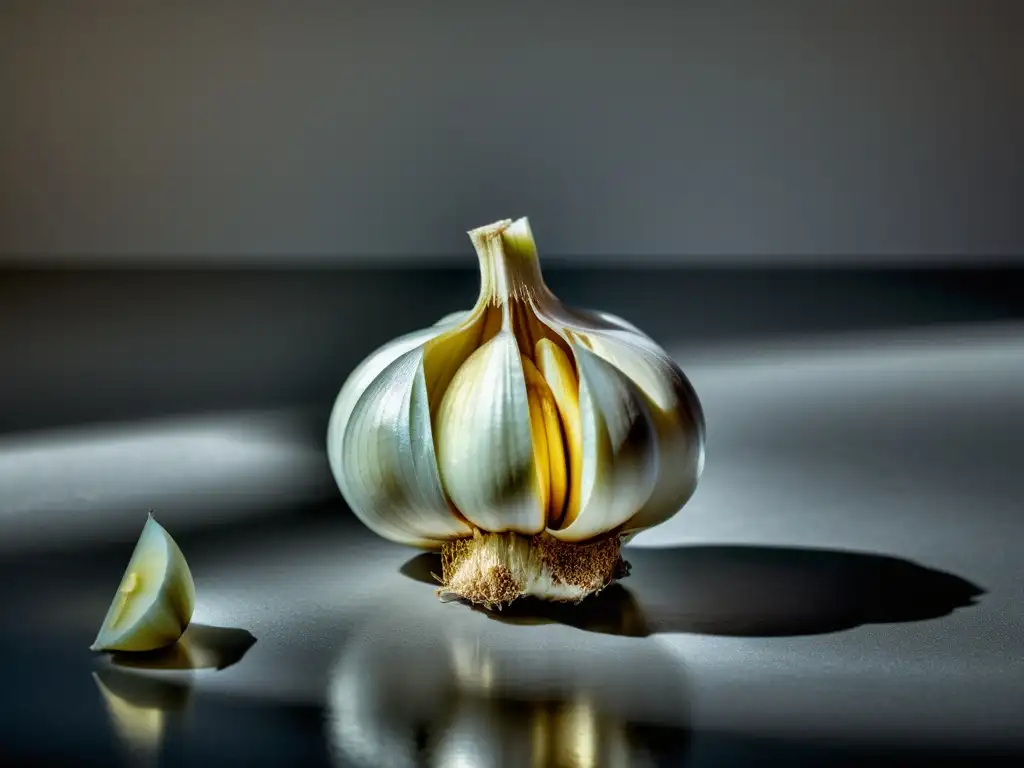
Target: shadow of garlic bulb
(523, 439)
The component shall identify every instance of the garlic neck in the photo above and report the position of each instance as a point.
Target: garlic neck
(509, 265)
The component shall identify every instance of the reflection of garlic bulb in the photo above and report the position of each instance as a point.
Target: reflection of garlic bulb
(522, 438)
(460, 692)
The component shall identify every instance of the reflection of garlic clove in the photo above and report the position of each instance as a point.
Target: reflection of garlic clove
(155, 600)
(522, 438)
(138, 708)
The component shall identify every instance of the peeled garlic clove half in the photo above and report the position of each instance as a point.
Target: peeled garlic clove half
(155, 600)
(523, 438)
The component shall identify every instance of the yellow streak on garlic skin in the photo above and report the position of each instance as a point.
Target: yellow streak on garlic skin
(547, 435)
(558, 374)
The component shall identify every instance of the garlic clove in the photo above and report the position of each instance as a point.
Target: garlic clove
(620, 450)
(393, 484)
(485, 444)
(361, 378)
(673, 404)
(155, 600)
(370, 373)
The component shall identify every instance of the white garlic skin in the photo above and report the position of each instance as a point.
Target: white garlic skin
(431, 436)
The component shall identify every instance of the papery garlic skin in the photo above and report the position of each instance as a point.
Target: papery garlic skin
(521, 417)
(155, 600)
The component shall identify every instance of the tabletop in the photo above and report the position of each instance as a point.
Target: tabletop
(844, 588)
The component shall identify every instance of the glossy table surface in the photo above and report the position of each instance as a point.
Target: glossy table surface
(844, 588)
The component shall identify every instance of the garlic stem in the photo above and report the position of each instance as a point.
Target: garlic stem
(509, 265)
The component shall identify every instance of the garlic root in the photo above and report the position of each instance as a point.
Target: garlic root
(495, 569)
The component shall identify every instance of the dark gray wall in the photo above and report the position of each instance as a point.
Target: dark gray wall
(677, 131)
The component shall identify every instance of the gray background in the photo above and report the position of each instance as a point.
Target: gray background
(745, 181)
(853, 130)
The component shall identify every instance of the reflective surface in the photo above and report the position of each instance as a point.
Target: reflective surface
(844, 589)
(704, 653)
(420, 686)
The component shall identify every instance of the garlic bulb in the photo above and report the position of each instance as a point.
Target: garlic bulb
(524, 439)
